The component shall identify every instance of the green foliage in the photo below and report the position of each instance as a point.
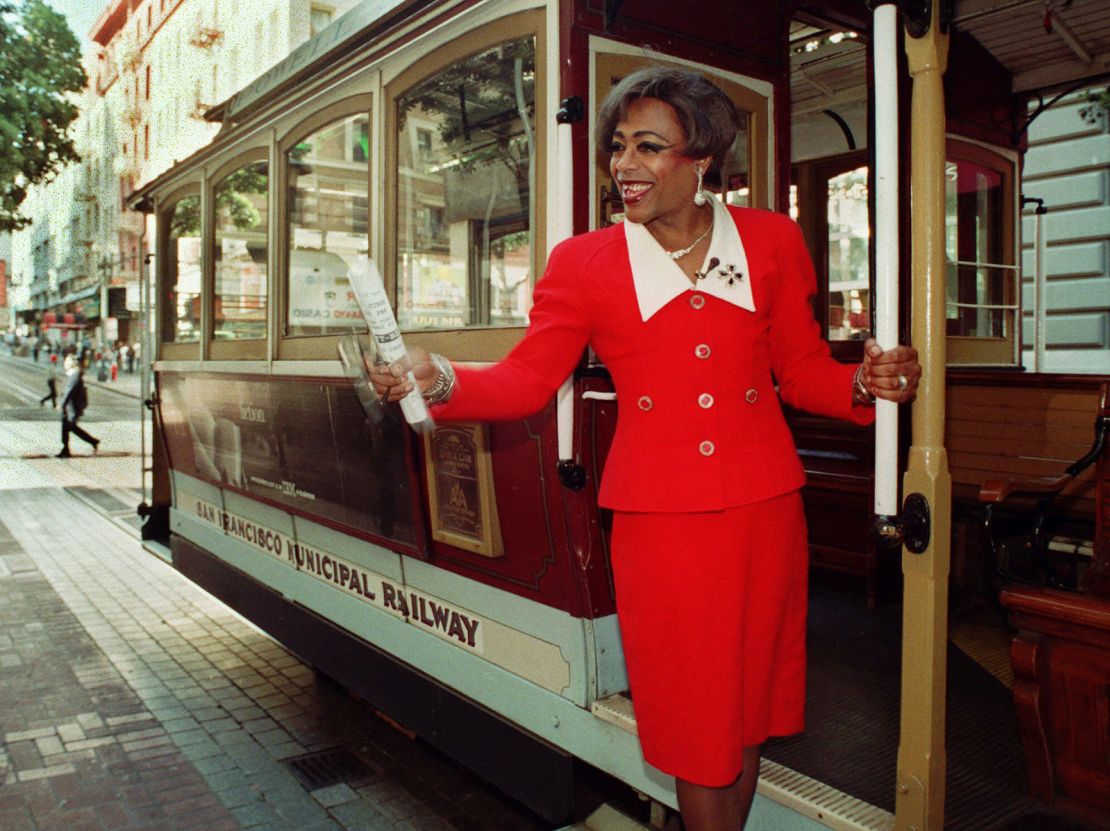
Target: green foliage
(232, 193)
(232, 201)
(1098, 107)
(39, 67)
(475, 102)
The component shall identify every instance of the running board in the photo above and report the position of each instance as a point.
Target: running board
(801, 794)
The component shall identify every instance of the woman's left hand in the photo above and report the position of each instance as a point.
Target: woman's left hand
(893, 374)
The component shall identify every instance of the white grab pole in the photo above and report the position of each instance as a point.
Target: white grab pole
(564, 228)
(885, 35)
(1040, 292)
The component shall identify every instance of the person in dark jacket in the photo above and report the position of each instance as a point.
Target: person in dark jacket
(51, 384)
(74, 401)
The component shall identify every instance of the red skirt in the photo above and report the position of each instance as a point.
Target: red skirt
(712, 610)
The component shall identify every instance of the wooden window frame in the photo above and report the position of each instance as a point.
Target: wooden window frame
(996, 352)
(469, 343)
(811, 178)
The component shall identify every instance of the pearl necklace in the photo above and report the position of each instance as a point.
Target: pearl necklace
(682, 252)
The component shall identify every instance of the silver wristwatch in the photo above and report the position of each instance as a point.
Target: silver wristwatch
(441, 390)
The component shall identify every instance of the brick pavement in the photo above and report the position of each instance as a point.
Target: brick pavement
(130, 699)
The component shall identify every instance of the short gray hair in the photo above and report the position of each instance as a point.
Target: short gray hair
(707, 115)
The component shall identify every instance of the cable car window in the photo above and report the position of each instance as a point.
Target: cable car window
(240, 252)
(181, 278)
(736, 178)
(466, 171)
(849, 259)
(977, 295)
(328, 192)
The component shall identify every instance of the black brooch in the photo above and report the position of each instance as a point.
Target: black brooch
(728, 273)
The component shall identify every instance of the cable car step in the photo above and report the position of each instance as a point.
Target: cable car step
(606, 818)
(616, 709)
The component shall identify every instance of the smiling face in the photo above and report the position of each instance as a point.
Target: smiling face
(646, 158)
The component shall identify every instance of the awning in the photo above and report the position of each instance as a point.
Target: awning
(53, 320)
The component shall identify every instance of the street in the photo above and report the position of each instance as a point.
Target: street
(130, 699)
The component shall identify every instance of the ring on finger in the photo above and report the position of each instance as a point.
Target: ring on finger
(903, 382)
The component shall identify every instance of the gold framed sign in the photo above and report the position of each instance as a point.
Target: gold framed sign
(460, 489)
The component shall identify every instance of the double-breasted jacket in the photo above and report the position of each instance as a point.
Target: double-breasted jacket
(698, 382)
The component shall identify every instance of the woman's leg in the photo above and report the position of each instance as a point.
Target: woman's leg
(720, 809)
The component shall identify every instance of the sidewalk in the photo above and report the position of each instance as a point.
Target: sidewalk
(130, 700)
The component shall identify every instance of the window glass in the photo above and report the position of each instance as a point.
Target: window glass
(240, 253)
(182, 272)
(736, 167)
(977, 282)
(328, 176)
(849, 258)
(466, 158)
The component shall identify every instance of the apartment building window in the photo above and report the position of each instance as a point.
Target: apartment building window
(146, 141)
(148, 82)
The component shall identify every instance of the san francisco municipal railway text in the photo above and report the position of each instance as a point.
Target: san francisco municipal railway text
(435, 615)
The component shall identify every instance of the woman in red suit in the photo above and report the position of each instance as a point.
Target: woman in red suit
(698, 310)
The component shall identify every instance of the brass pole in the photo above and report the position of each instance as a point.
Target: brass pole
(919, 804)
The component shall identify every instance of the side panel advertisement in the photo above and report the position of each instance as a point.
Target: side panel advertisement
(302, 444)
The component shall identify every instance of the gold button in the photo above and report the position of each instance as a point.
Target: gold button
(706, 448)
(705, 401)
(697, 301)
(752, 395)
(645, 403)
(702, 351)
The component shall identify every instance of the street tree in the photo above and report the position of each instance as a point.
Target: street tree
(40, 69)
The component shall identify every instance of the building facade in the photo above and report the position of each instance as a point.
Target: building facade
(155, 67)
(1068, 167)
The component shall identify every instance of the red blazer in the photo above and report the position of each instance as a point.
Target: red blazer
(699, 424)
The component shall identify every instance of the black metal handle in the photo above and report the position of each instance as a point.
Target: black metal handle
(572, 475)
(571, 109)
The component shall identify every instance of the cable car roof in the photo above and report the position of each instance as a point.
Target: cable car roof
(1043, 45)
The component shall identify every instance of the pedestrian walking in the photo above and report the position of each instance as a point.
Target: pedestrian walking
(74, 403)
(51, 384)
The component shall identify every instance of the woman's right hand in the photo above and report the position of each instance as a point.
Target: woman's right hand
(391, 381)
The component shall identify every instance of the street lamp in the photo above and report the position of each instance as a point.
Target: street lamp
(105, 268)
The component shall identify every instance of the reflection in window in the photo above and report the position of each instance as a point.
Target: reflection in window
(466, 158)
(181, 323)
(328, 176)
(977, 296)
(240, 253)
(849, 259)
(736, 177)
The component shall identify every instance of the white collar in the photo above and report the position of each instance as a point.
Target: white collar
(659, 280)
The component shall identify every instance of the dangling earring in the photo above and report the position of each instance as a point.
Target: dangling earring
(699, 197)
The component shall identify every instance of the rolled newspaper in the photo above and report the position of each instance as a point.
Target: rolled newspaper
(369, 290)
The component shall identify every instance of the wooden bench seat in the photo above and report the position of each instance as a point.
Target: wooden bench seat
(1061, 656)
